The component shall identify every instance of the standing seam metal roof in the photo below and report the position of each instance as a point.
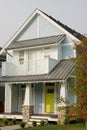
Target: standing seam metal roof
(60, 72)
(36, 42)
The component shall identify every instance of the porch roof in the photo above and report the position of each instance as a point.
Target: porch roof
(60, 72)
(36, 42)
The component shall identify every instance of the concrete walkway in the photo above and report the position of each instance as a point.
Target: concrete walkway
(11, 127)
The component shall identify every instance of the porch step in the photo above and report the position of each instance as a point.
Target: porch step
(39, 118)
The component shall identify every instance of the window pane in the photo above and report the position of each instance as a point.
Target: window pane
(21, 57)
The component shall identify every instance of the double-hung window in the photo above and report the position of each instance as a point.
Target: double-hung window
(21, 57)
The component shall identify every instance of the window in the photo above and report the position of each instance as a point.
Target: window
(21, 57)
(50, 91)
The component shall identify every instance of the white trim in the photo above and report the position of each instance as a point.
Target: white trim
(58, 26)
(27, 22)
(19, 30)
(34, 97)
(61, 81)
(38, 28)
(27, 48)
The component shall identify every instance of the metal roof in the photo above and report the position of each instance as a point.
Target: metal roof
(36, 42)
(60, 72)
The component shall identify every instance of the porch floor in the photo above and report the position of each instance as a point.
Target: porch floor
(11, 115)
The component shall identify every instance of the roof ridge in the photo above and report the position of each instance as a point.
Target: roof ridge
(70, 30)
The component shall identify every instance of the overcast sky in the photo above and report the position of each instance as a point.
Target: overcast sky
(13, 13)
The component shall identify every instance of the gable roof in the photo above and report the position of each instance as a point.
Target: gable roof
(59, 73)
(66, 29)
(36, 42)
(70, 30)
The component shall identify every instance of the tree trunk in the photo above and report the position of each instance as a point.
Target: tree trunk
(86, 124)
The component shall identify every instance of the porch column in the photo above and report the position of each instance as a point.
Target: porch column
(27, 109)
(63, 92)
(62, 105)
(8, 95)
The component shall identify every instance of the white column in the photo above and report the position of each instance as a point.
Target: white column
(28, 95)
(63, 92)
(8, 97)
(74, 52)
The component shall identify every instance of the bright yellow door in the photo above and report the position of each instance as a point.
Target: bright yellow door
(49, 99)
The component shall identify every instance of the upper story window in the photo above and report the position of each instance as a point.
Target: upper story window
(21, 57)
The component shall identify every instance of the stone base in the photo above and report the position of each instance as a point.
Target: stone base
(27, 111)
(63, 111)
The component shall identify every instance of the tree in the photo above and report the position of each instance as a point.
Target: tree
(81, 78)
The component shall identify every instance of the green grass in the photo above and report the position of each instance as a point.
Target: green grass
(56, 127)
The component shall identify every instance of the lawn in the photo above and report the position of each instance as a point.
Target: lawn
(56, 127)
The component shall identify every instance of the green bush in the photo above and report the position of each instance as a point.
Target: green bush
(22, 124)
(34, 123)
(14, 121)
(5, 121)
(42, 123)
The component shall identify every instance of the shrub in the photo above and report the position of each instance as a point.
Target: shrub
(14, 121)
(42, 123)
(22, 124)
(34, 123)
(5, 121)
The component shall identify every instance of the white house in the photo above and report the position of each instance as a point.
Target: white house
(37, 67)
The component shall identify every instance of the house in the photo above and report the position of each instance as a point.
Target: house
(37, 68)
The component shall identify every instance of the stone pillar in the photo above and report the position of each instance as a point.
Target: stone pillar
(27, 112)
(27, 108)
(62, 105)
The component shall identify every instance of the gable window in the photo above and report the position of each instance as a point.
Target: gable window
(21, 57)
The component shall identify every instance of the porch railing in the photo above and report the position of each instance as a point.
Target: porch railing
(28, 67)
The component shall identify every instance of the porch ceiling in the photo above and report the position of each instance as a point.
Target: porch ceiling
(36, 42)
(60, 72)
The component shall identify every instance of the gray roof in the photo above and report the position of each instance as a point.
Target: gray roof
(60, 72)
(36, 42)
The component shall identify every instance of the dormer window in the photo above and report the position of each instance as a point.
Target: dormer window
(21, 57)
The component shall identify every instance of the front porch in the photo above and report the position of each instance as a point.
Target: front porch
(32, 99)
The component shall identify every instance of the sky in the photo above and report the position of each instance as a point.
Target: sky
(13, 13)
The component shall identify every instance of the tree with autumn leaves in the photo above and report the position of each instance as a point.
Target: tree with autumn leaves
(81, 78)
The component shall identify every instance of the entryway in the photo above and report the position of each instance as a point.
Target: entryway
(49, 98)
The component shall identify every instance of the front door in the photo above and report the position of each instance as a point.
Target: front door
(49, 98)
